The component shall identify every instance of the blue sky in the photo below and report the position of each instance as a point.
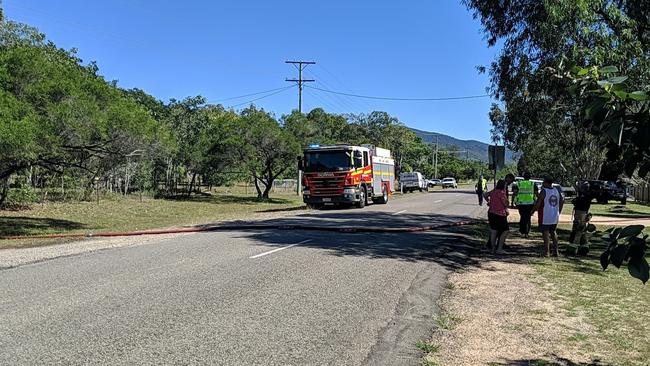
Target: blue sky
(221, 49)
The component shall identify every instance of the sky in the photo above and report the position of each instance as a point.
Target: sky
(224, 49)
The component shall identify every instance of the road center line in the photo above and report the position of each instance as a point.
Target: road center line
(279, 249)
(438, 201)
(398, 212)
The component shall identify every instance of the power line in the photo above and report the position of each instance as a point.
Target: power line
(262, 97)
(399, 99)
(250, 95)
(364, 104)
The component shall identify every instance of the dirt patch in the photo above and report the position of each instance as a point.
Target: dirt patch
(596, 220)
(504, 316)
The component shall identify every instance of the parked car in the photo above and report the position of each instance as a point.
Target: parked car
(413, 181)
(449, 183)
(605, 190)
(433, 182)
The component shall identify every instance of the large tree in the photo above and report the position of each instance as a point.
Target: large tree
(540, 37)
(261, 146)
(58, 113)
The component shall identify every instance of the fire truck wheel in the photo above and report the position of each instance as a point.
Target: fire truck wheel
(384, 196)
(362, 197)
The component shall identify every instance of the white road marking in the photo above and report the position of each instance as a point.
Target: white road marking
(398, 212)
(438, 201)
(279, 249)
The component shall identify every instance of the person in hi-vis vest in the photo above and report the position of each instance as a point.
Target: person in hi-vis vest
(524, 199)
(549, 205)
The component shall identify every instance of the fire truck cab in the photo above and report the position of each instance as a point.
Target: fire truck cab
(346, 174)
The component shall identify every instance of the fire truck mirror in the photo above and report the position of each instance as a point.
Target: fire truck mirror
(358, 159)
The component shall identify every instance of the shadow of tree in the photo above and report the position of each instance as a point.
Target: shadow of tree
(450, 249)
(19, 225)
(552, 360)
(221, 199)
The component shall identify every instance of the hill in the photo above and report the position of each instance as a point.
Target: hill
(475, 149)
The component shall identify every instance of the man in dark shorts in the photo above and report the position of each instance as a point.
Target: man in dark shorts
(581, 216)
(548, 206)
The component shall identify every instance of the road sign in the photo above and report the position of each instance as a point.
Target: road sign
(496, 157)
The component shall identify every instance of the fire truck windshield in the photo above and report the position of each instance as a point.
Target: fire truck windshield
(327, 161)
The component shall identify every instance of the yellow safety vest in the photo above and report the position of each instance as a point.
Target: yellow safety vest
(526, 193)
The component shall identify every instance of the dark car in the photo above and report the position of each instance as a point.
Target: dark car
(604, 191)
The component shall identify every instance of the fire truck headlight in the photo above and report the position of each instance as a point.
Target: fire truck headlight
(349, 191)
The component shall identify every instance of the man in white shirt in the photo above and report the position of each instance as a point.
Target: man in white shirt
(548, 206)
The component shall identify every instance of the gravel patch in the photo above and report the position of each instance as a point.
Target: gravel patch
(10, 258)
(506, 317)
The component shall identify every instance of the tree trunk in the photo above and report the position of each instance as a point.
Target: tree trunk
(3, 191)
(267, 189)
(257, 186)
(189, 191)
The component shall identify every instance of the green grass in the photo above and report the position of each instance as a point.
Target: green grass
(616, 305)
(427, 347)
(447, 321)
(127, 214)
(631, 210)
(613, 302)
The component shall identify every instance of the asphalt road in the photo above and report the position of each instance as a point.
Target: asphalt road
(276, 297)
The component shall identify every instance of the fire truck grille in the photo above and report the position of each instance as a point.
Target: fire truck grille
(327, 186)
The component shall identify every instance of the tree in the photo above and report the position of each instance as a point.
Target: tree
(261, 146)
(538, 35)
(58, 114)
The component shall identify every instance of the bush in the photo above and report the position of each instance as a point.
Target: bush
(21, 196)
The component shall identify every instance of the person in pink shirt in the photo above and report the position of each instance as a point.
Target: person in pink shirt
(497, 199)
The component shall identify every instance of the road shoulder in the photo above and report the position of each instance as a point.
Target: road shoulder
(501, 312)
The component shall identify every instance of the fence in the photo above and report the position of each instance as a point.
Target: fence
(641, 192)
(284, 185)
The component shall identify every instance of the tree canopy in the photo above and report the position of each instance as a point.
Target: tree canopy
(542, 116)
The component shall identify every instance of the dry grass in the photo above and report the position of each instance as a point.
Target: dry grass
(507, 319)
(127, 214)
(525, 310)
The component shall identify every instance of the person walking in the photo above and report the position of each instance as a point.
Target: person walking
(549, 205)
(497, 199)
(481, 188)
(581, 216)
(524, 199)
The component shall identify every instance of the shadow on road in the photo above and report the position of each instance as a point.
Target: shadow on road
(364, 219)
(451, 248)
(556, 361)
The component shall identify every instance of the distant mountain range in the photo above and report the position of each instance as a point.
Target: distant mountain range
(476, 150)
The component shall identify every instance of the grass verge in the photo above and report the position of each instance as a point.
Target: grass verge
(612, 302)
(128, 214)
(630, 210)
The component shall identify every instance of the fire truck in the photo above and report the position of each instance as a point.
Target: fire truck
(346, 174)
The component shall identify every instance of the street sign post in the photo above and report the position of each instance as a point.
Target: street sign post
(496, 159)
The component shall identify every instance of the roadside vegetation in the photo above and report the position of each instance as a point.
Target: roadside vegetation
(67, 134)
(116, 214)
(630, 210)
(564, 310)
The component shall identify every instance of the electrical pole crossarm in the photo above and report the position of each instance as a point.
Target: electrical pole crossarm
(300, 65)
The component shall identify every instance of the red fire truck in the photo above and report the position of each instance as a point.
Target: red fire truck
(346, 174)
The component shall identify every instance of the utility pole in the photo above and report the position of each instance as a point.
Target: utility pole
(300, 65)
(435, 169)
